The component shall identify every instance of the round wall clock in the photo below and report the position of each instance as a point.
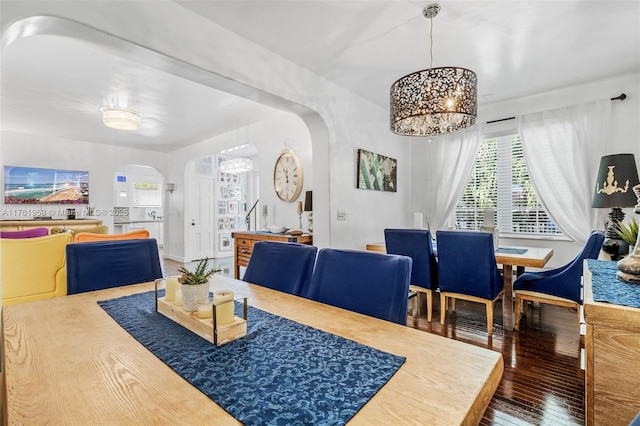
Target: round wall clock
(287, 176)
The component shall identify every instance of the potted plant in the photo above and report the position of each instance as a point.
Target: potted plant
(628, 232)
(195, 284)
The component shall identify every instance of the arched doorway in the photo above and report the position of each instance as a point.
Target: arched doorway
(138, 195)
(220, 190)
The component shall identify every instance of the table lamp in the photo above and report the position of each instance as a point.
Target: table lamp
(617, 175)
(308, 207)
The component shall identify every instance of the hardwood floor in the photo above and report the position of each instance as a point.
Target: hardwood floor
(542, 384)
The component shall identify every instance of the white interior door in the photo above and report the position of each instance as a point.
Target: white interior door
(201, 222)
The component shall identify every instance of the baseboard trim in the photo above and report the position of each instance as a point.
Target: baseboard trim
(176, 258)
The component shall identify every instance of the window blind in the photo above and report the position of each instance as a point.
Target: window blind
(500, 181)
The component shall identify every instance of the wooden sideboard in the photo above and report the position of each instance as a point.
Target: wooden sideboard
(244, 241)
(612, 347)
(21, 225)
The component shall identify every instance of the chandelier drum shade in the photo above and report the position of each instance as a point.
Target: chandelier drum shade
(436, 100)
(120, 118)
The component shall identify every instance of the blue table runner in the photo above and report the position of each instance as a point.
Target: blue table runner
(608, 288)
(282, 372)
(508, 250)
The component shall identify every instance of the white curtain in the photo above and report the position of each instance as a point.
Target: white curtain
(450, 161)
(562, 149)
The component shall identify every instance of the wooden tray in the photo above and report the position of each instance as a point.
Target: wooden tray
(204, 327)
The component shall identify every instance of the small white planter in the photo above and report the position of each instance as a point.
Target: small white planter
(193, 294)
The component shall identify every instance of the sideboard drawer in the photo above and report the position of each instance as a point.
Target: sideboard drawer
(243, 255)
(244, 241)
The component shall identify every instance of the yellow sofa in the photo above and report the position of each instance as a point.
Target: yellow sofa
(34, 268)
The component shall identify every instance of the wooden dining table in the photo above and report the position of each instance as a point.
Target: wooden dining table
(67, 361)
(534, 257)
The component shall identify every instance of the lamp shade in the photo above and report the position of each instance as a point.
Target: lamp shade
(308, 202)
(617, 175)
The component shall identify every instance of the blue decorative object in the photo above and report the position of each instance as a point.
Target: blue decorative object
(282, 372)
(507, 250)
(608, 288)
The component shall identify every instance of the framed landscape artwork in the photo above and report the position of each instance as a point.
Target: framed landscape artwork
(31, 185)
(376, 172)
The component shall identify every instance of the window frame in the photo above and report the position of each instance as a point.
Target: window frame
(504, 192)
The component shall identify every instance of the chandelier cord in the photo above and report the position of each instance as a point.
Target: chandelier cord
(431, 43)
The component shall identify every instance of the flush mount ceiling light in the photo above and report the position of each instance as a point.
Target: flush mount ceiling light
(120, 118)
(436, 100)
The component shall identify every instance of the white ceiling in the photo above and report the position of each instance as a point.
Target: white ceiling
(55, 86)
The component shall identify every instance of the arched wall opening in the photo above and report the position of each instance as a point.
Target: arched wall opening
(317, 128)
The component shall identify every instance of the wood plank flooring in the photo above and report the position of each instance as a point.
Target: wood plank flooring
(542, 384)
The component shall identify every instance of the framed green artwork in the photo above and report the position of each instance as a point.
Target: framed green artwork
(376, 172)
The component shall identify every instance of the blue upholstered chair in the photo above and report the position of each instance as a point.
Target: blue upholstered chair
(281, 266)
(105, 264)
(374, 284)
(416, 243)
(561, 286)
(467, 270)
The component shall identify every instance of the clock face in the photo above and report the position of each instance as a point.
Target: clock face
(287, 176)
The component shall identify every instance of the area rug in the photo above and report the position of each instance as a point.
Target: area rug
(281, 373)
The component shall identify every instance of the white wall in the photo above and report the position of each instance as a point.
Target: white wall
(133, 173)
(625, 138)
(268, 137)
(100, 160)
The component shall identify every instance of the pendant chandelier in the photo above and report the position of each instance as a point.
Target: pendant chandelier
(436, 100)
(236, 165)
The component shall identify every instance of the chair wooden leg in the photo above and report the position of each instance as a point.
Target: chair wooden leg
(429, 294)
(453, 304)
(517, 312)
(443, 307)
(490, 318)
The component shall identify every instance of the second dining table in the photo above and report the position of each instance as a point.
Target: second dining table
(508, 257)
